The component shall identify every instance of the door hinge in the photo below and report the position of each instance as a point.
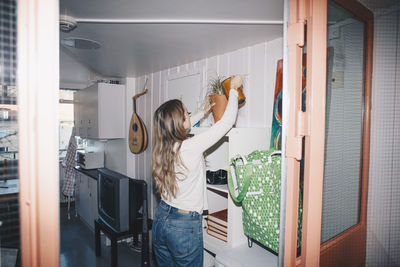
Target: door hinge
(295, 34)
(294, 144)
(302, 124)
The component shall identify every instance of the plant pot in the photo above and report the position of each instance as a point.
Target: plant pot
(226, 85)
(219, 108)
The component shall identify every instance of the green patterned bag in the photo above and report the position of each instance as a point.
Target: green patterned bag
(255, 182)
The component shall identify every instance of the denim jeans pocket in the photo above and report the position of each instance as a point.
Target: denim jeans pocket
(183, 236)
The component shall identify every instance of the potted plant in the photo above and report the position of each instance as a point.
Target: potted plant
(217, 96)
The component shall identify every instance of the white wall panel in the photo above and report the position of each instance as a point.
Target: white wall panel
(257, 67)
(238, 64)
(223, 65)
(143, 114)
(130, 158)
(212, 67)
(115, 151)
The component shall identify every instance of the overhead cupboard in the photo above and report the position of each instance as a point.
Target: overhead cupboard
(98, 111)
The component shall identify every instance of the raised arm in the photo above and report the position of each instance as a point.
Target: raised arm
(208, 138)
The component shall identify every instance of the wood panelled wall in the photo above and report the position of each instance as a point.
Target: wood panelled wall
(256, 63)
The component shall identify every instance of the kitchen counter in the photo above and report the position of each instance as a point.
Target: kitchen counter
(94, 173)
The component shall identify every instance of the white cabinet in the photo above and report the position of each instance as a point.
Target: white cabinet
(237, 141)
(93, 201)
(79, 114)
(99, 111)
(82, 196)
(86, 199)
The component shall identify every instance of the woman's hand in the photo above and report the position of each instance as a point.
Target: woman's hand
(207, 106)
(236, 81)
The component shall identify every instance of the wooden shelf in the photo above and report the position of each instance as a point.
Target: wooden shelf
(219, 187)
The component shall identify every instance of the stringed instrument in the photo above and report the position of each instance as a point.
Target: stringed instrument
(138, 138)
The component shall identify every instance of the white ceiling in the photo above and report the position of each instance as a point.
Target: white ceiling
(131, 50)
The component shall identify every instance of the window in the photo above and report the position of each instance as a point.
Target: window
(66, 110)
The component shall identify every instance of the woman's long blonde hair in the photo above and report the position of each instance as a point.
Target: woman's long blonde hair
(168, 132)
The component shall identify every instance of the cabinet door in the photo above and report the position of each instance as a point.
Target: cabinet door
(78, 195)
(111, 109)
(79, 114)
(83, 113)
(91, 111)
(93, 201)
(84, 198)
(77, 199)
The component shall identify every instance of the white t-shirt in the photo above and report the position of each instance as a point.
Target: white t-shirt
(191, 181)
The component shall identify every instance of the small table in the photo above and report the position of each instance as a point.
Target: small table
(112, 235)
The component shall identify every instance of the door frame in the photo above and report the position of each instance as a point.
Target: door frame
(311, 125)
(38, 94)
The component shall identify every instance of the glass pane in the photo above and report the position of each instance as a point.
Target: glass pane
(344, 121)
(9, 187)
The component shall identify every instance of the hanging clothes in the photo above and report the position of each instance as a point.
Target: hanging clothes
(69, 179)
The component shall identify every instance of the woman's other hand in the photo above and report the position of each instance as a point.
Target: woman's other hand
(236, 81)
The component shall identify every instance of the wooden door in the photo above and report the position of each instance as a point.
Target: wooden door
(334, 120)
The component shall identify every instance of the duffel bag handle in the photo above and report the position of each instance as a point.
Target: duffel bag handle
(278, 152)
(233, 184)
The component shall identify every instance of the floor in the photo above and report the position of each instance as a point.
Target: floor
(77, 246)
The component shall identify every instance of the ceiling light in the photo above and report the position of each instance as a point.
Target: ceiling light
(80, 43)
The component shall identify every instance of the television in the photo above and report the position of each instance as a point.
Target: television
(122, 207)
(122, 201)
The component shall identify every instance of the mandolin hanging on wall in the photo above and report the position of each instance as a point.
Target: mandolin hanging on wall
(138, 137)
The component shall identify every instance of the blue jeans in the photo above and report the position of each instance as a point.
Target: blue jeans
(177, 237)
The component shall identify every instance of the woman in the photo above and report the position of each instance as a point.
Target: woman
(180, 175)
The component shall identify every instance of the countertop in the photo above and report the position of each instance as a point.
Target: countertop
(94, 173)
